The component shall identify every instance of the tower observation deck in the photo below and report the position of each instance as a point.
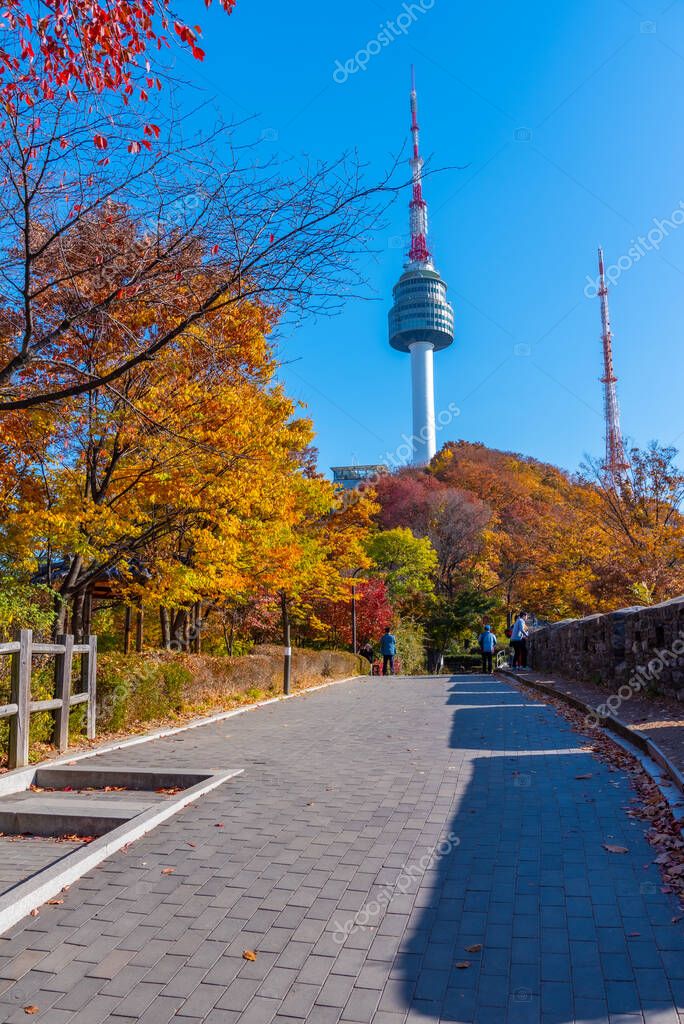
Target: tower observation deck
(421, 320)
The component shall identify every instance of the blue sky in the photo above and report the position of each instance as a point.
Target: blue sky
(569, 119)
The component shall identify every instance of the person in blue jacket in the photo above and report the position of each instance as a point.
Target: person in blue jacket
(388, 649)
(487, 643)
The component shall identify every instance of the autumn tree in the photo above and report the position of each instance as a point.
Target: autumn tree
(643, 550)
(331, 619)
(49, 51)
(205, 227)
(164, 471)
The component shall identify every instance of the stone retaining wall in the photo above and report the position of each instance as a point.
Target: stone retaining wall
(615, 649)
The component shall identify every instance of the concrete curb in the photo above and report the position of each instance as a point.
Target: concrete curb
(21, 778)
(634, 737)
(34, 892)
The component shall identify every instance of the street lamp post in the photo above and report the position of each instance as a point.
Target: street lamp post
(355, 643)
(354, 640)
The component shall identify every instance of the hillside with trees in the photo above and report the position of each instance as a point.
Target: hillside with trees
(509, 532)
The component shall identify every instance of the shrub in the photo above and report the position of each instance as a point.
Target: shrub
(410, 647)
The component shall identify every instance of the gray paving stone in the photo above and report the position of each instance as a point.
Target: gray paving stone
(344, 790)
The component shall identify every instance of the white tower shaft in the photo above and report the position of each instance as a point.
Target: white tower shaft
(423, 388)
(421, 321)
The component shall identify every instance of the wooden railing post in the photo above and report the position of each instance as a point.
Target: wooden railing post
(21, 696)
(63, 664)
(89, 683)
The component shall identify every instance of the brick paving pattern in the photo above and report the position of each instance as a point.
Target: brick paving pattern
(20, 858)
(346, 795)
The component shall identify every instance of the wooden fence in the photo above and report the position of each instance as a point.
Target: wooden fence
(21, 707)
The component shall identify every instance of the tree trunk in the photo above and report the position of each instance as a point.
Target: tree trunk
(198, 628)
(229, 637)
(77, 604)
(165, 627)
(66, 592)
(88, 614)
(59, 626)
(139, 627)
(178, 629)
(127, 629)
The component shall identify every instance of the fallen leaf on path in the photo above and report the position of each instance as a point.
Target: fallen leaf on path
(611, 848)
(168, 871)
(633, 935)
(35, 912)
(219, 825)
(31, 1010)
(474, 949)
(462, 965)
(55, 903)
(248, 954)
(587, 775)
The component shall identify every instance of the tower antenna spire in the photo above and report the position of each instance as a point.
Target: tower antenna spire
(419, 252)
(615, 465)
(421, 321)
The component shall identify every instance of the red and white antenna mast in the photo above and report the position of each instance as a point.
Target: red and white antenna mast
(418, 253)
(616, 464)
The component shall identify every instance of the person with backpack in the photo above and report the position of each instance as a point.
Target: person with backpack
(488, 643)
(519, 641)
(388, 649)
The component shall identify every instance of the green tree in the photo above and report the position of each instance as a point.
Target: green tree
(451, 618)
(406, 563)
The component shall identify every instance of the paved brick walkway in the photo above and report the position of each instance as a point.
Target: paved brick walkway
(343, 791)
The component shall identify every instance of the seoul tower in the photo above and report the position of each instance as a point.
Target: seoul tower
(421, 320)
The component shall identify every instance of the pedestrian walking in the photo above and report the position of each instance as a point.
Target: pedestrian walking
(519, 636)
(388, 649)
(488, 643)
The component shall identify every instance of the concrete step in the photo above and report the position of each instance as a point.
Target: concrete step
(79, 776)
(60, 814)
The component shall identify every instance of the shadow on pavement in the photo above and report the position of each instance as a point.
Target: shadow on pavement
(568, 931)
